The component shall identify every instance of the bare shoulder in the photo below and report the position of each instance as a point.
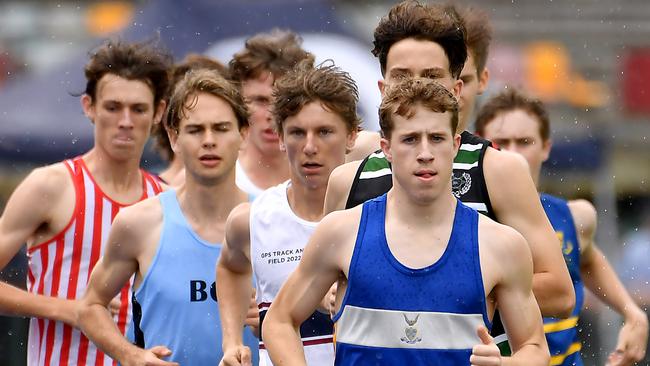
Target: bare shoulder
(366, 143)
(504, 162)
(501, 242)
(238, 224)
(584, 214)
(339, 185)
(138, 220)
(342, 222)
(48, 182)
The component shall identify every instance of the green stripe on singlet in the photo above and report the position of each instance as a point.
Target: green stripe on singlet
(376, 162)
(467, 157)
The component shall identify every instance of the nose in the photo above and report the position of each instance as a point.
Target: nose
(424, 152)
(126, 121)
(310, 147)
(209, 140)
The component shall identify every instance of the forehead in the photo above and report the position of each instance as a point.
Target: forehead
(262, 85)
(424, 120)
(209, 109)
(416, 55)
(513, 124)
(314, 115)
(116, 88)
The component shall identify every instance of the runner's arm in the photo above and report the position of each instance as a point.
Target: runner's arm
(601, 279)
(516, 203)
(339, 185)
(234, 290)
(30, 207)
(112, 271)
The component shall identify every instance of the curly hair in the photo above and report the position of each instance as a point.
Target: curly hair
(325, 83)
(435, 23)
(402, 98)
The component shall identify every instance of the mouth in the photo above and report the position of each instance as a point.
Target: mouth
(310, 167)
(425, 174)
(269, 133)
(209, 159)
(123, 139)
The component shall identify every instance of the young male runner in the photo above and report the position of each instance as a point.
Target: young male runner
(428, 41)
(419, 273)
(172, 242)
(64, 211)
(521, 125)
(315, 112)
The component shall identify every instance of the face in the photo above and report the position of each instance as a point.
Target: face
(315, 140)
(258, 94)
(419, 58)
(208, 140)
(422, 150)
(518, 131)
(473, 84)
(123, 113)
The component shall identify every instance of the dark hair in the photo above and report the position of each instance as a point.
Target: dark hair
(325, 83)
(187, 91)
(277, 52)
(435, 23)
(192, 61)
(478, 33)
(144, 61)
(512, 100)
(402, 98)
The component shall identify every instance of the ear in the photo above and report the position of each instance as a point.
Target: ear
(546, 149)
(483, 79)
(88, 107)
(350, 141)
(386, 148)
(173, 138)
(243, 133)
(381, 84)
(458, 86)
(456, 142)
(160, 111)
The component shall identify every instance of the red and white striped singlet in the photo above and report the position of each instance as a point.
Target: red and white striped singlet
(61, 268)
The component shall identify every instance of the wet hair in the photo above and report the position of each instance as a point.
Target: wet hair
(192, 61)
(402, 97)
(277, 52)
(195, 82)
(146, 61)
(435, 23)
(512, 100)
(325, 83)
(478, 33)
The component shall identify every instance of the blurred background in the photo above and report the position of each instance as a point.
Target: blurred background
(589, 60)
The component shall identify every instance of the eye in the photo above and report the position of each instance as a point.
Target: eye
(297, 133)
(325, 132)
(409, 139)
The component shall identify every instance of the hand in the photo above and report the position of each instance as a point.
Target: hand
(253, 317)
(152, 357)
(632, 341)
(487, 353)
(237, 356)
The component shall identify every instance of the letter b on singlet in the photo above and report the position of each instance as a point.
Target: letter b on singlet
(198, 291)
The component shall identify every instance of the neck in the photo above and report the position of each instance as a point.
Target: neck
(306, 203)
(209, 202)
(417, 213)
(115, 175)
(263, 169)
(173, 170)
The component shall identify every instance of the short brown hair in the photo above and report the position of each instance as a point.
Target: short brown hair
(512, 100)
(478, 33)
(277, 52)
(144, 61)
(325, 83)
(187, 91)
(402, 98)
(192, 61)
(435, 23)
